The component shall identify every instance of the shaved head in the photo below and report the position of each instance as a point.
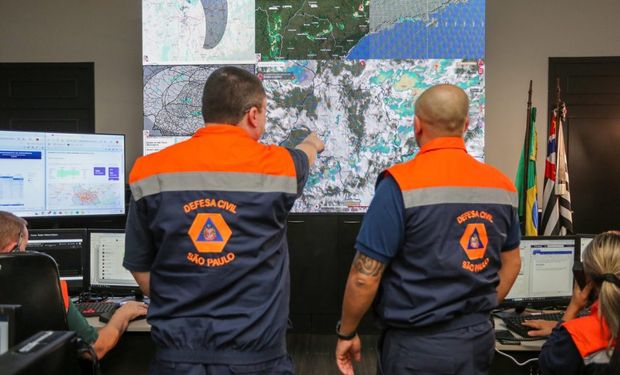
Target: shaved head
(443, 107)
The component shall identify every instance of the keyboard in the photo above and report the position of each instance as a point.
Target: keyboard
(513, 322)
(95, 308)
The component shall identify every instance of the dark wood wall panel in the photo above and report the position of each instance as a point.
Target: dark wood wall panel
(591, 89)
(595, 174)
(53, 97)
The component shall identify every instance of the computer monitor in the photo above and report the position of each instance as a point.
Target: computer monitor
(62, 174)
(546, 275)
(8, 317)
(107, 274)
(582, 241)
(66, 246)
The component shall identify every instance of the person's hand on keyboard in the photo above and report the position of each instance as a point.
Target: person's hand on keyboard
(540, 327)
(116, 324)
(131, 310)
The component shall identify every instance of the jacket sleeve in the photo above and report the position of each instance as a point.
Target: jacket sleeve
(559, 355)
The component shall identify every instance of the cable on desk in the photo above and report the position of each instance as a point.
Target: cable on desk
(88, 296)
(515, 360)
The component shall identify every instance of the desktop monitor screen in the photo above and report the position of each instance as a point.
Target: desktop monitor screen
(62, 174)
(546, 276)
(66, 246)
(583, 240)
(107, 274)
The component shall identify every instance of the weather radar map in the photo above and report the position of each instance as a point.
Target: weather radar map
(363, 110)
(173, 97)
(348, 70)
(197, 31)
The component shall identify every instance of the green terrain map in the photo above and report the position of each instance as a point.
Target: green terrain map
(309, 29)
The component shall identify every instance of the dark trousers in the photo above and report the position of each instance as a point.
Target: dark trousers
(279, 366)
(463, 351)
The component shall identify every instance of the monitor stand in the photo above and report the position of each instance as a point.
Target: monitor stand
(518, 310)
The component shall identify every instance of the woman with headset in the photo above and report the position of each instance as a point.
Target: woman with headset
(586, 345)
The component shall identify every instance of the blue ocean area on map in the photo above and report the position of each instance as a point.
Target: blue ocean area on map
(454, 32)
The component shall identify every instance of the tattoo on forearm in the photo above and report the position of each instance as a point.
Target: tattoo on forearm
(367, 266)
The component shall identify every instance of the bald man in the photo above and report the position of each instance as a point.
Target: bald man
(439, 248)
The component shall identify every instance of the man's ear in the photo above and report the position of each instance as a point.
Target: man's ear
(466, 124)
(417, 126)
(253, 117)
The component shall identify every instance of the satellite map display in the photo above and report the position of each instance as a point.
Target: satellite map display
(325, 29)
(423, 29)
(348, 70)
(363, 110)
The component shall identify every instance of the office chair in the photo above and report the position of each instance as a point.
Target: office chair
(30, 279)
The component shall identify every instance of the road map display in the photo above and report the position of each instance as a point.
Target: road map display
(348, 70)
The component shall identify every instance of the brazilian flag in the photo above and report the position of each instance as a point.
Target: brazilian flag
(528, 204)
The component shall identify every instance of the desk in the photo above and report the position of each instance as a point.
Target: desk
(139, 325)
(522, 353)
(526, 346)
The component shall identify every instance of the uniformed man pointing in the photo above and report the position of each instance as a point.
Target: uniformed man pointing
(206, 236)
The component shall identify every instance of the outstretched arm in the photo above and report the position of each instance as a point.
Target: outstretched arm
(311, 146)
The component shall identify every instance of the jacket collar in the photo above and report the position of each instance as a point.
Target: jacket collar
(228, 129)
(444, 143)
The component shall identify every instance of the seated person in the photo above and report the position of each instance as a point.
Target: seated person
(585, 345)
(14, 237)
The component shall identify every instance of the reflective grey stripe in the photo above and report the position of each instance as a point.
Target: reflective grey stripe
(600, 357)
(443, 195)
(214, 181)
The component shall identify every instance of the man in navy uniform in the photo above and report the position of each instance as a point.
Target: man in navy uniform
(440, 242)
(206, 236)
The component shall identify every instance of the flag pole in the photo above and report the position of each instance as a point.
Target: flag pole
(558, 105)
(526, 154)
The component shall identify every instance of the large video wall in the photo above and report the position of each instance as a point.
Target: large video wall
(349, 70)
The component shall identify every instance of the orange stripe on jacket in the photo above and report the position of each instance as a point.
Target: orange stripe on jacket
(444, 162)
(216, 148)
(589, 333)
(64, 289)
